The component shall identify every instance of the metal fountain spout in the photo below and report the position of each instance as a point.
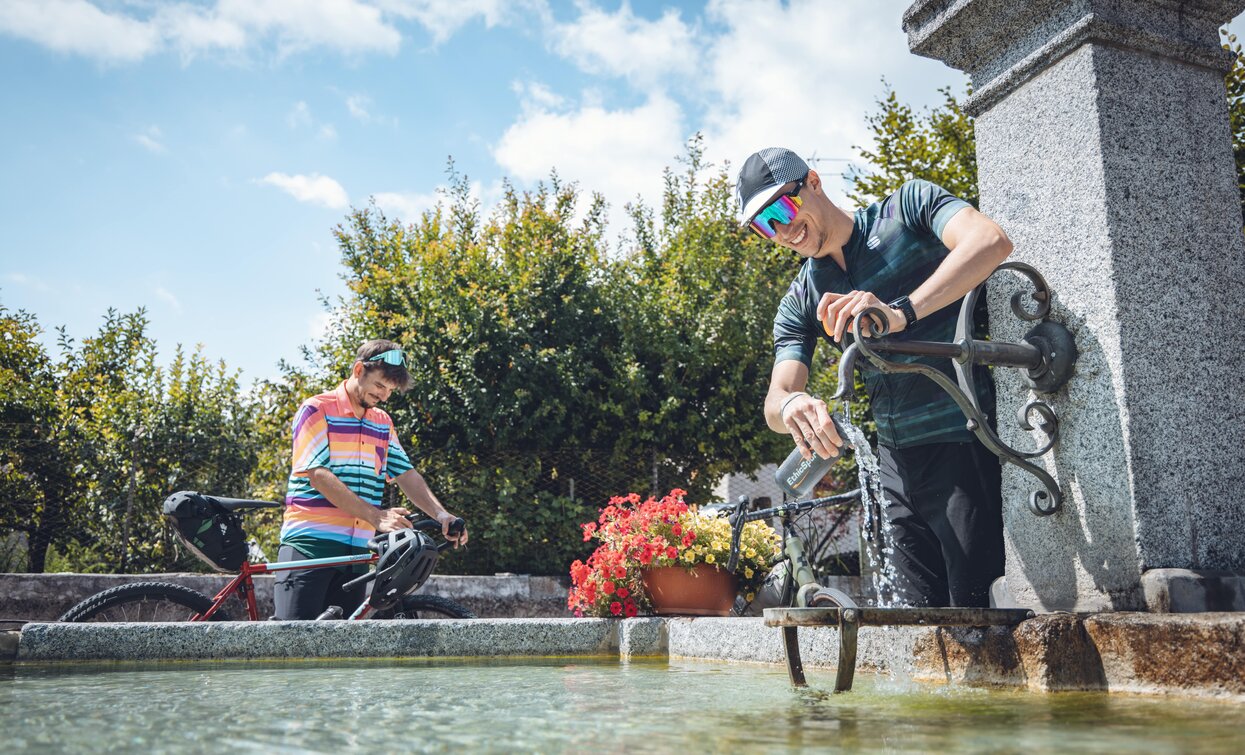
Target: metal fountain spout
(1047, 354)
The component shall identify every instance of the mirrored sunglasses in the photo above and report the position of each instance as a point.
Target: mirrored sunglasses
(393, 356)
(781, 210)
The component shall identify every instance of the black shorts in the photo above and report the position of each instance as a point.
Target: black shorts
(946, 515)
(306, 593)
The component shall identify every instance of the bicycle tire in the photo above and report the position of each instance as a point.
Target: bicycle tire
(426, 607)
(143, 601)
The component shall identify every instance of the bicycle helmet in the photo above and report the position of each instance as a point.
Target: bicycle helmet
(407, 557)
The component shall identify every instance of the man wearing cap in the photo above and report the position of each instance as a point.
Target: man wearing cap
(345, 448)
(914, 255)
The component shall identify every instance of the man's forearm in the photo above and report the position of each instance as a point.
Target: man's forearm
(332, 488)
(412, 483)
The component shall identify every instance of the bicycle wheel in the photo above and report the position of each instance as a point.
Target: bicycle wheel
(425, 607)
(143, 601)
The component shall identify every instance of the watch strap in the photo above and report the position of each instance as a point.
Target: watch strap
(904, 304)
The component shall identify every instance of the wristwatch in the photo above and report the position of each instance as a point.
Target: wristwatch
(903, 304)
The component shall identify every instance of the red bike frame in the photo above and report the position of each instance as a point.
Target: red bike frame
(246, 586)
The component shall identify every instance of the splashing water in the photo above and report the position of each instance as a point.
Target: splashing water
(879, 538)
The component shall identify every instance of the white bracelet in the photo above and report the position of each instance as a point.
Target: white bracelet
(782, 410)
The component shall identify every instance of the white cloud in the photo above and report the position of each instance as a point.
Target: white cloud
(30, 282)
(151, 140)
(619, 153)
(313, 189)
(319, 325)
(803, 74)
(167, 296)
(444, 17)
(299, 115)
(358, 105)
(626, 45)
(80, 28)
(535, 95)
(346, 25)
(406, 207)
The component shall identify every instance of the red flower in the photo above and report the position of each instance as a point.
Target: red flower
(616, 608)
(631, 610)
(623, 592)
(672, 552)
(676, 530)
(608, 589)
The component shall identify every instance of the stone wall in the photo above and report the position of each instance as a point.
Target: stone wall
(44, 597)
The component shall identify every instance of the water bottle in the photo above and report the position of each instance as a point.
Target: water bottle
(798, 476)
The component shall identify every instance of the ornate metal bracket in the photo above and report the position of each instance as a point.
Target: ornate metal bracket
(1047, 354)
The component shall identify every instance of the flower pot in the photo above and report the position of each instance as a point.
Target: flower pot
(704, 591)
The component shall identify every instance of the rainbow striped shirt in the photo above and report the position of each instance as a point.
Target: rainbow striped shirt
(363, 453)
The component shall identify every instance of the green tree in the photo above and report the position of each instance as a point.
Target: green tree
(35, 482)
(938, 145)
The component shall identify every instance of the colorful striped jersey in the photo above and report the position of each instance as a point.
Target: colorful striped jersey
(363, 453)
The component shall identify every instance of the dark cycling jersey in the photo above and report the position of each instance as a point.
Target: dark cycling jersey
(895, 246)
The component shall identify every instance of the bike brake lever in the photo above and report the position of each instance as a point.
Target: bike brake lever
(737, 530)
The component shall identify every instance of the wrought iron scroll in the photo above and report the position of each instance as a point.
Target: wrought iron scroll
(1051, 342)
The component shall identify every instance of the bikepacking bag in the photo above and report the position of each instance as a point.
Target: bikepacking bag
(208, 529)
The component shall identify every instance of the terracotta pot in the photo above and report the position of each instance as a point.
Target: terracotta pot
(704, 591)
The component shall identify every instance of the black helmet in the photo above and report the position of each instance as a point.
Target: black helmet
(407, 557)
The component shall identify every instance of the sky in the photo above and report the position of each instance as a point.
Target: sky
(192, 158)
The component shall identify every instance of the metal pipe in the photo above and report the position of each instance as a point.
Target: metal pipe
(999, 353)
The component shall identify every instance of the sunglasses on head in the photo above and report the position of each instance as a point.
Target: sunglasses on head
(782, 210)
(393, 356)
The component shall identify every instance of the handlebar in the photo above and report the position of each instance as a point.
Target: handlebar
(738, 517)
(424, 525)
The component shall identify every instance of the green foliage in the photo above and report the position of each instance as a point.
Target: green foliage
(96, 440)
(938, 146)
(541, 360)
(1235, 84)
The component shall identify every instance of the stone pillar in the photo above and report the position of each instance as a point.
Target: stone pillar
(1104, 151)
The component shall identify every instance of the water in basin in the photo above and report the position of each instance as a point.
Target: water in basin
(564, 705)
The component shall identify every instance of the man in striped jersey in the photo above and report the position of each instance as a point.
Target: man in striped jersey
(914, 255)
(345, 449)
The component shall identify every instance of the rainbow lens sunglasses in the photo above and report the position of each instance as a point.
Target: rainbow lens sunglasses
(393, 356)
(781, 210)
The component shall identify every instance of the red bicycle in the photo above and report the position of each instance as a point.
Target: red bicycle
(404, 560)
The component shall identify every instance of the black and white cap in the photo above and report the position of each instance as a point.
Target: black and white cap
(762, 175)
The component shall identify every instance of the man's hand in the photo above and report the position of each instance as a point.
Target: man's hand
(446, 519)
(389, 520)
(836, 312)
(810, 426)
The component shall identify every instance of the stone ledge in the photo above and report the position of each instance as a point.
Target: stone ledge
(323, 639)
(1190, 655)
(1189, 591)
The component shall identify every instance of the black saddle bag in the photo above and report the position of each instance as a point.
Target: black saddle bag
(209, 530)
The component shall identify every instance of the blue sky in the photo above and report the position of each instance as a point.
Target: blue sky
(193, 157)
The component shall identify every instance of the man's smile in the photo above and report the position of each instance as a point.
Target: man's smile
(803, 234)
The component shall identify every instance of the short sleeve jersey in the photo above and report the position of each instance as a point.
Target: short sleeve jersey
(895, 246)
(363, 453)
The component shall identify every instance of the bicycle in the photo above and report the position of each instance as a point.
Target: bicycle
(798, 585)
(404, 560)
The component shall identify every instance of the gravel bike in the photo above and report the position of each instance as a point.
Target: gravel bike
(794, 581)
(404, 560)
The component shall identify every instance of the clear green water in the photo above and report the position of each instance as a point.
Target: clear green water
(568, 706)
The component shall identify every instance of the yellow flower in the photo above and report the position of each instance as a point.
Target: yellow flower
(748, 575)
(750, 554)
(749, 597)
(709, 559)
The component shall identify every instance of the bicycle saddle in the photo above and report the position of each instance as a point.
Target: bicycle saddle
(407, 557)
